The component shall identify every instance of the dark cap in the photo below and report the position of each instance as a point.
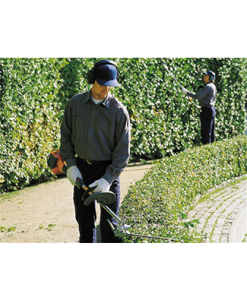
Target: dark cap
(106, 74)
(211, 74)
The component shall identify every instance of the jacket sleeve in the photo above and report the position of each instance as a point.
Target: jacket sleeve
(201, 95)
(67, 147)
(121, 152)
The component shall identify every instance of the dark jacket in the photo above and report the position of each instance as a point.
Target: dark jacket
(97, 132)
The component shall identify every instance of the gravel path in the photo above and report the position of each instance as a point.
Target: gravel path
(45, 213)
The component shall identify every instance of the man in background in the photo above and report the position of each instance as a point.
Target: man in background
(207, 98)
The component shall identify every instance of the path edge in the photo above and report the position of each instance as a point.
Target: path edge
(239, 225)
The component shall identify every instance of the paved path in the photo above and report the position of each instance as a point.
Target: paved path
(223, 214)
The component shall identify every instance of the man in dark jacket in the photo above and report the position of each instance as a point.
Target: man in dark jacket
(95, 143)
(207, 98)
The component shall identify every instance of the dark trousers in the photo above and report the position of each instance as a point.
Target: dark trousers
(207, 125)
(86, 215)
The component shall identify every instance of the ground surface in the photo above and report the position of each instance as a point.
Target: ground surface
(222, 213)
(45, 213)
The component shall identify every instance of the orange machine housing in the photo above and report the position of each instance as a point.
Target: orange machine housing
(56, 163)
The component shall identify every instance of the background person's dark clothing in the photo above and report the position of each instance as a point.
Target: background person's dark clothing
(206, 98)
(208, 124)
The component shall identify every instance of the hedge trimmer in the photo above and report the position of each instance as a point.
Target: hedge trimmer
(104, 199)
(191, 100)
(58, 166)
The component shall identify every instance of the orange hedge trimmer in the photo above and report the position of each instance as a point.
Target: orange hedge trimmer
(58, 166)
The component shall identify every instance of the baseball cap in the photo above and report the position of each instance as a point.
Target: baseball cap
(106, 74)
(211, 74)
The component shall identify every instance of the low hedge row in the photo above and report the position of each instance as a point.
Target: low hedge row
(157, 204)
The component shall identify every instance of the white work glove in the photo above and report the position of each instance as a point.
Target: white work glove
(185, 91)
(72, 174)
(101, 185)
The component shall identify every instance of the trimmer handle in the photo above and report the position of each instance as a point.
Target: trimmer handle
(80, 184)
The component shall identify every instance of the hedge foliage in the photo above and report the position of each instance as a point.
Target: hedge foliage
(163, 120)
(34, 93)
(29, 112)
(157, 204)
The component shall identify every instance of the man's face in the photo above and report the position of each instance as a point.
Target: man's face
(205, 78)
(100, 91)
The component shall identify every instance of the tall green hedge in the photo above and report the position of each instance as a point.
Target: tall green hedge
(29, 113)
(34, 93)
(163, 119)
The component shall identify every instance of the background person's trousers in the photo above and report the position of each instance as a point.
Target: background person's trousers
(207, 125)
(86, 215)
